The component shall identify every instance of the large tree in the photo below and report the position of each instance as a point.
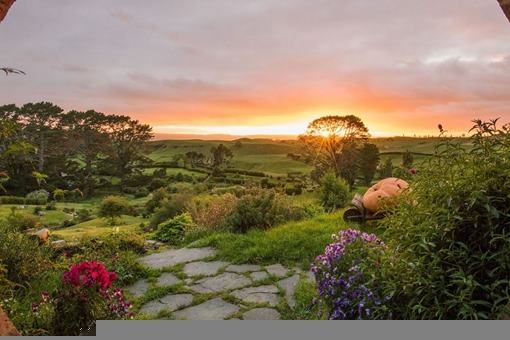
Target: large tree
(41, 127)
(127, 137)
(330, 143)
(88, 140)
(221, 155)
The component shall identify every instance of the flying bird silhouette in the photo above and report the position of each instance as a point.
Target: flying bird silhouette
(8, 70)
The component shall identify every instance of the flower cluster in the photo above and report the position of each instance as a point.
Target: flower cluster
(341, 283)
(85, 296)
(89, 274)
(117, 304)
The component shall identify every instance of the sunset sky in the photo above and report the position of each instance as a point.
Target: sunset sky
(263, 67)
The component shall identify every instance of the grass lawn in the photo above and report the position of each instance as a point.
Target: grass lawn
(50, 218)
(98, 227)
(291, 243)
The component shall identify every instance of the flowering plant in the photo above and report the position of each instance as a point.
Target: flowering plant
(86, 295)
(344, 275)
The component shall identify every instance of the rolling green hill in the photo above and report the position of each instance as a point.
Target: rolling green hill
(270, 156)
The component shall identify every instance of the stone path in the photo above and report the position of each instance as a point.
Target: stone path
(207, 289)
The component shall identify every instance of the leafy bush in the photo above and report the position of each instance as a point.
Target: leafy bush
(21, 257)
(118, 251)
(344, 284)
(293, 189)
(261, 210)
(39, 197)
(169, 208)
(114, 206)
(52, 205)
(156, 200)
(451, 233)
(335, 192)
(86, 295)
(22, 222)
(211, 214)
(67, 223)
(59, 194)
(12, 200)
(156, 183)
(83, 215)
(173, 230)
(141, 192)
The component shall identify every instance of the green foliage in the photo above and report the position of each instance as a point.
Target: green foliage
(114, 206)
(211, 213)
(450, 234)
(21, 256)
(368, 162)
(156, 183)
(335, 192)
(59, 194)
(407, 160)
(290, 243)
(22, 222)
(169, 208)
(386, 170)
(173, 230)
(261, 210)
(118, 251)
(156, 200)
(39, 197)
(141, 192)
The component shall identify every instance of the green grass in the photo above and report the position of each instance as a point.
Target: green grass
(291, 243)
(256, 155)
(99, 227)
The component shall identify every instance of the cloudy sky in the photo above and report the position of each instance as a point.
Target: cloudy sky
(263, 66)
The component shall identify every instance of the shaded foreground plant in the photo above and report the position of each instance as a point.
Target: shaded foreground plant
(450, 236)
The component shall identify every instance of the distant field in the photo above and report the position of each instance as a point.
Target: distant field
(257, 155)
(270, 156)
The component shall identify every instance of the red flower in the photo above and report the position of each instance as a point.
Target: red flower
(89, 274)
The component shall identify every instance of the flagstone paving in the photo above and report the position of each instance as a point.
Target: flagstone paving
(202, 288)
(176, 256)
(204, 268)
(168, 279)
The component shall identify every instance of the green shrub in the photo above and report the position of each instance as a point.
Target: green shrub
(173, 230)
(114, 206)
(211, 213)
(156, 183)
(12, 200)
(335, 192)
(156, 200)
(451, 233)
(22, 222)
(141, 192)
(21, 256)
(118, 251)
(59, 194)
(83, 215)
(52, 205)
(169, 208)
(261, 210)
(38, 197)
